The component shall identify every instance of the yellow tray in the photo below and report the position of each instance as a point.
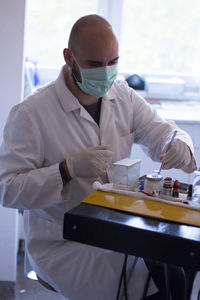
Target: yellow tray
(144, 207)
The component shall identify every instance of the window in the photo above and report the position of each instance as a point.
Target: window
(160, 36)
(156, 37)
(48, 26)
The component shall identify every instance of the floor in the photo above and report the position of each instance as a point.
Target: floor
(27, 289)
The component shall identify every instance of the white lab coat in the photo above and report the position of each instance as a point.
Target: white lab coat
(40, 133)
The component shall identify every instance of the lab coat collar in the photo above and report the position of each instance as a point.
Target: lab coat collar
(110, 95)
(68, 101)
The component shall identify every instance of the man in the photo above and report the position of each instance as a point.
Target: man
(65, 137)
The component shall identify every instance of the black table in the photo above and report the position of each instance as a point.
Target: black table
(150, 238)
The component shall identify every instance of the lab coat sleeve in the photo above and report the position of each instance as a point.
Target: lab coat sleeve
(153, 132)
(24, 182)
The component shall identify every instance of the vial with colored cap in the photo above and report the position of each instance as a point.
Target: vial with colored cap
(175, 192)
(167, 186)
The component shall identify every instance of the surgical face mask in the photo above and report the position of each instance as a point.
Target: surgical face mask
(97, 81)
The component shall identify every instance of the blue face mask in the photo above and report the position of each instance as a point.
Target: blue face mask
(97, 81)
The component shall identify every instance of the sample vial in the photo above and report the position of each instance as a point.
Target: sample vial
(167, 186)
(190, 192)
(153, 184)
(196, 187)
(175, 192)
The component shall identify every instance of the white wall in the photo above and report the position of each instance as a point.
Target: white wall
(12, 16)
(11, 55)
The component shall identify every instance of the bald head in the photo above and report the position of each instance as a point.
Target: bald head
(92, 44)
(92, 30)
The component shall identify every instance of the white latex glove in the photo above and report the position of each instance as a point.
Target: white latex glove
(178, 156)
(93, 162)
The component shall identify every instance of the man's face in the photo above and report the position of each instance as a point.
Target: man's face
(94, 52)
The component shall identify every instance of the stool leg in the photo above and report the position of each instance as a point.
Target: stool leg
(45, 284)
(190, 275)
(169, 278)
(167, 282)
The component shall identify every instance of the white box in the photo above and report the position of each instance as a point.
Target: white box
(168, 86)
(126, 173)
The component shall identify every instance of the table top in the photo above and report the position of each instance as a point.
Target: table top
(146, 237)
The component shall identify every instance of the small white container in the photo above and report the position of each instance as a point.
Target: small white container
(126, 173)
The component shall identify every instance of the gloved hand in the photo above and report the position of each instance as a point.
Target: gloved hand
(93, 162)
(178, 156)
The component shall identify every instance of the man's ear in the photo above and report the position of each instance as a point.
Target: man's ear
(67, 53)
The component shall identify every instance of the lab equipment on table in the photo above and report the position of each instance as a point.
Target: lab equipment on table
(196, 187)
(190, 192)
(175, 192)
(167, 186)
(153, 184)
(169, 86)
(136, 81)
(126, 173)
(126, 177)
